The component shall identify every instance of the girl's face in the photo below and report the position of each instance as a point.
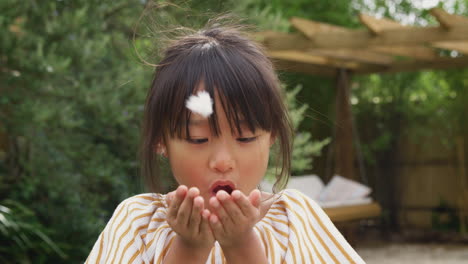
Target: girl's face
(229, 161)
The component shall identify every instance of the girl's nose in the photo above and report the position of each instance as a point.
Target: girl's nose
(222, 160)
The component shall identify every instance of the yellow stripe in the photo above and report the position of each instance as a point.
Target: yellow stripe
(305, 231)
(136, 253)
(156, 203)
(283, 247)
(128, 230)
(262, 236)
(282, 213)
(292, 227)
(223, 259)
(276, 207)
(154, 239)
(291, 247)
(272, 248)
(112, 232)
(164, 252)
(127, 205)
(125, 249)
(276, 220)
(134, 235)
(323, 226)
(123, 207)
(213, 255)
(118, 244)
(277, 230)
(305, 228)
(324, 245)
(150, 198)
(153, 229)
(100, 247)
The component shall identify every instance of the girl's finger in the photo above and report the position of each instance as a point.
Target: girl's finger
(205, 222)
(233, 211)
(176, 201)
(169, 198)
(185, 210)
(221, 214)
(216, 226)
(196, 216)
(254, 198)
(243, 202)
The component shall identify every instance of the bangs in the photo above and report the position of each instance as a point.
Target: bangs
(235, 80)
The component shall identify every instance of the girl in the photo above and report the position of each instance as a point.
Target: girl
(217, 215)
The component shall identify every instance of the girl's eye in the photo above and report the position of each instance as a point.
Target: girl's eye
(197, 140)
(246, 139)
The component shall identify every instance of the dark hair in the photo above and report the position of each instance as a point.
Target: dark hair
(225, 60)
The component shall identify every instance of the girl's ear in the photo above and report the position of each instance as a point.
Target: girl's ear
(272, 139)
(160, 149)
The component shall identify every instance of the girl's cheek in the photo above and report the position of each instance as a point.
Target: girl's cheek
(191, 172)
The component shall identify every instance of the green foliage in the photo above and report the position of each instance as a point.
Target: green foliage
(23, 238)
(304, 148)
(274, 15)
(72, 99)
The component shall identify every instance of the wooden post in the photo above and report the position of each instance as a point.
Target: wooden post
(344, 149)
(463, 197)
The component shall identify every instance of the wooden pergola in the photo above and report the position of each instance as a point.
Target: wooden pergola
(385, 46)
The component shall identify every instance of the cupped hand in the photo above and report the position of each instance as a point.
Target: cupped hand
(188, 218)
(234, 217)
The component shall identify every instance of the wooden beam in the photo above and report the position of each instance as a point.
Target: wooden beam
(353, 212)
(401, 36)
(361, 56)
(460, 46)
(303, 57)
(309, 28)
(282, 41)
(404, 66)
(307, 68)
(416, 52)
(447, 20)
(359, 39)
(408, 66)
(377, 25)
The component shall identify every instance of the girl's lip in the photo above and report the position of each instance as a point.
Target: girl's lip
(221, 183)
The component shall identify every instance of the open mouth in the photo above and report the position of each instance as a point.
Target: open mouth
(226, 186)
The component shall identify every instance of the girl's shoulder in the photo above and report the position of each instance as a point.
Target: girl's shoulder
(297, 223)
(145, 199)
(292, 199)
(141, 207)
(134, 224)
(292, 206)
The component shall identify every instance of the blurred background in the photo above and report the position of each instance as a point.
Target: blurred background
(73, 79)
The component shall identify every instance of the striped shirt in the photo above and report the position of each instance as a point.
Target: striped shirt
(294, 230)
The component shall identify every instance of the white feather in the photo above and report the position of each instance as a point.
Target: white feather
(201, 104)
